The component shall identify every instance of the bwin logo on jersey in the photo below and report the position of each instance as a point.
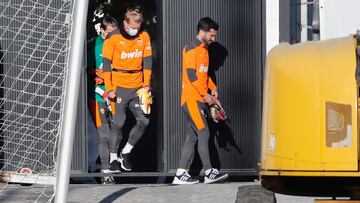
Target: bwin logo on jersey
(130, 55)
(203, 68)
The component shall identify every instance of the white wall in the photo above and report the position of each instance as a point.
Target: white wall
(272, 24)
(339, 18)
(304, 19)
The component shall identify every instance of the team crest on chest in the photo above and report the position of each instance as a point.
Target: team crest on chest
(102, 110)
(139, 41)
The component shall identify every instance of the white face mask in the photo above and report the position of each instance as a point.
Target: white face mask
(132, 32)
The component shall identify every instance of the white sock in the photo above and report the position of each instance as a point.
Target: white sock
(180, 171)
(208, 171)
(113, 156)
(127, 149)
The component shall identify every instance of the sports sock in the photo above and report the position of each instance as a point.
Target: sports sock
(180, 171)
(207, 172)
(127, 149)
(113, 156)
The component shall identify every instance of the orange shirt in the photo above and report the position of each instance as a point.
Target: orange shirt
(127, 53)
(195, 79)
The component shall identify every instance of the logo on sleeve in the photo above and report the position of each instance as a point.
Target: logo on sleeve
(203, 68)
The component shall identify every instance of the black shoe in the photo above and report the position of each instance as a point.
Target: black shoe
(107, 180)
(184, 179)
(215, 176)
(114, 167)
(124, 160)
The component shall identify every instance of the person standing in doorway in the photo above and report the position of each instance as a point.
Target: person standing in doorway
(98, 100)
(127, 59)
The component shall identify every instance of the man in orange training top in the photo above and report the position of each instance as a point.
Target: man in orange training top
(127, 61)
(195, 101)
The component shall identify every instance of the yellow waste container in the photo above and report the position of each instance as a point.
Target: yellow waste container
(310, 138)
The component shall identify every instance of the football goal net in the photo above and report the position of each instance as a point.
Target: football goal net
(35, 53)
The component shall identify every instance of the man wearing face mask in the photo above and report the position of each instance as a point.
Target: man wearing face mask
(127, 61)
(198, 92)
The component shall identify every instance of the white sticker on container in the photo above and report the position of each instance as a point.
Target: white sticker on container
(272, 143)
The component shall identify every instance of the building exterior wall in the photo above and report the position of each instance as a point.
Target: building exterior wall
(239, 78)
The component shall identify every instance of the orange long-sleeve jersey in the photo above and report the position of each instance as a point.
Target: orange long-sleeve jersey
(122, 54)
(195, 79)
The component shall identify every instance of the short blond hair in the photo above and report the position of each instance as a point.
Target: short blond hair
(133, 14)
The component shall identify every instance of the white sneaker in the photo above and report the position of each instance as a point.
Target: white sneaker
(215, 176)
(184, 179)
(107, 180)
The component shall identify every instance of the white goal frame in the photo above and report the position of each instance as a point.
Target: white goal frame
(67, 133)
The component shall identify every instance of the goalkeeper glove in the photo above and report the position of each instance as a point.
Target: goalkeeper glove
(217, 112)
(102, 93)
(145, 100)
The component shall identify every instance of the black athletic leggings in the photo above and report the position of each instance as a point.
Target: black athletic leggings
(104, 131)
(193, 135)
(126, 98)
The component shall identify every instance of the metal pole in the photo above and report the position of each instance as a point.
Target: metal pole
(304, 22)
(75, 59)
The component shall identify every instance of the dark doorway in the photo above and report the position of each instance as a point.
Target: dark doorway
(144, 154)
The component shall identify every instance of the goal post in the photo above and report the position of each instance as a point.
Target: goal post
(41, 59)
(67, 133)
